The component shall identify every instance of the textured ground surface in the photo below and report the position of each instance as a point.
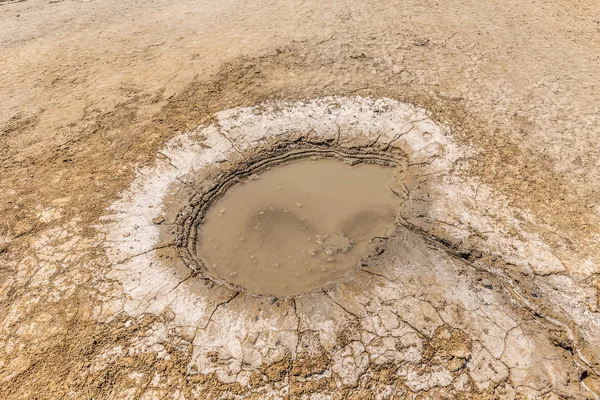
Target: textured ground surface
(488, 288)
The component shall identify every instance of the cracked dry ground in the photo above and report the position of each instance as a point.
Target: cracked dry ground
(487, 289)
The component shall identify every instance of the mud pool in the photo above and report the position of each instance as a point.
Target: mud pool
(298, 227)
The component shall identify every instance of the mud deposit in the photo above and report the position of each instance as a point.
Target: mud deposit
(123, 124)
(297, 227)
(450, 304)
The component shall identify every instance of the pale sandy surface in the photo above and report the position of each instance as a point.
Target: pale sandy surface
(90, 91)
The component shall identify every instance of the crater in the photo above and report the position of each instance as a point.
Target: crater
(296, 227)
(459, 265)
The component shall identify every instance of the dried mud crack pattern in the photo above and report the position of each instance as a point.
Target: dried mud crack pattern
(465, 297)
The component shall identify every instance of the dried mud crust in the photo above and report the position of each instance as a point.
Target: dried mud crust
(450, 271)
(464, 300)
(89, 99)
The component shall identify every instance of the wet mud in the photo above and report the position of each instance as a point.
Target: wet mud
(297, 227)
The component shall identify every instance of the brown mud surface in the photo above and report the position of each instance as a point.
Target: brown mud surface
(92, 91)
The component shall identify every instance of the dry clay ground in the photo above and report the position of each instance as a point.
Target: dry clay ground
(91, 91)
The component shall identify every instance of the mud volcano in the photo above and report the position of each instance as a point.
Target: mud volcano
(245, 239)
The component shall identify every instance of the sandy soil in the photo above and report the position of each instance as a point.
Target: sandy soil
(91, 92)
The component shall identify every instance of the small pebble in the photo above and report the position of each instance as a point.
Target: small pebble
(487, 283)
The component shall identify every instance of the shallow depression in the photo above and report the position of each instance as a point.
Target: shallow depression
(297, 227)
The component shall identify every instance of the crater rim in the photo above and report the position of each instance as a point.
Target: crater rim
(192, 214)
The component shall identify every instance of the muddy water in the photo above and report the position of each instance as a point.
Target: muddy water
(297, 227)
